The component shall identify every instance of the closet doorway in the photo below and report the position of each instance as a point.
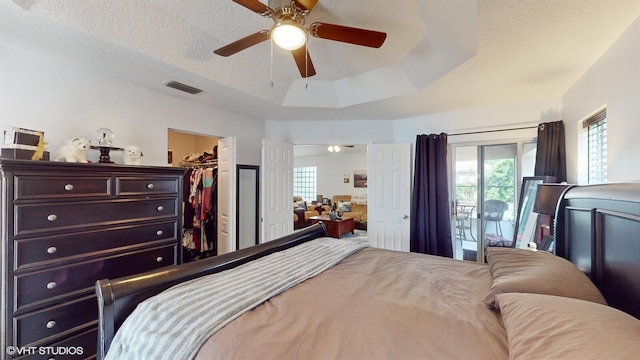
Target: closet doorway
(195, 152)
(182, 146)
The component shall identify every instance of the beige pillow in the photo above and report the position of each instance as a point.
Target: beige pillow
(553, 327)
(537, 272)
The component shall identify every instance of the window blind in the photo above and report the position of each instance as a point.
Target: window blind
(597, 144)
(595, 118)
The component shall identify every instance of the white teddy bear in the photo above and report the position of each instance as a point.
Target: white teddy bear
(132, 155)
(74, 150)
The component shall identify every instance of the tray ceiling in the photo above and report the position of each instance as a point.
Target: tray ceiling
(439, 55)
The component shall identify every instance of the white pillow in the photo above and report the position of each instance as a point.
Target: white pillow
(359, 199)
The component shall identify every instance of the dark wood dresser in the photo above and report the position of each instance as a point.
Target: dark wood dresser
(66, 225)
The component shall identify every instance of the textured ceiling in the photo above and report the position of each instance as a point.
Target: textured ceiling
(439, 55)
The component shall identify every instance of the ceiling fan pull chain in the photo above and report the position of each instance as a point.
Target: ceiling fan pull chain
(306, 64)
(271, 71)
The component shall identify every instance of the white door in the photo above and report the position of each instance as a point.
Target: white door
(276, 189)
(226, 195)
(389, 195)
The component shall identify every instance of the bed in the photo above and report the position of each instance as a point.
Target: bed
(309, 296)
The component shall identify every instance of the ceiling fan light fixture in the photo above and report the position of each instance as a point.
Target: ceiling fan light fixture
(288, 35)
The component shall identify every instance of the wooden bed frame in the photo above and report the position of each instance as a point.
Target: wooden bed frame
(597, 228)
(117, 298)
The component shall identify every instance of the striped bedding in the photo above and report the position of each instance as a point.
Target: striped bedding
(175, 323)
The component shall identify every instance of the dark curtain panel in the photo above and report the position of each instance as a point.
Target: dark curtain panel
(430, 216)
(551, 157)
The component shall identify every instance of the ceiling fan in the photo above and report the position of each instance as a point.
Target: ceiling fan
(289, 32)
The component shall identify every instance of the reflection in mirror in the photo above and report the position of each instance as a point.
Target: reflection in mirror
(248, 195)
(526, 221)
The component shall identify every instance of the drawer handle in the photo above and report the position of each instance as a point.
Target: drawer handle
(160, 208)
(68, 187)
(52, 249)
(51, 324)
(159, 259)
(51, 285)
(52, 217)
(150, 186)
(159, 232)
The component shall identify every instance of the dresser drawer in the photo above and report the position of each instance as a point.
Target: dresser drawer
(42, 286)
(52, 249)
(77, 347)
(40, 218)
(146, 185)
(56, 320)
(41, 187)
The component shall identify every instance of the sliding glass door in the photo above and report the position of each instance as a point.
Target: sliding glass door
(485, 187)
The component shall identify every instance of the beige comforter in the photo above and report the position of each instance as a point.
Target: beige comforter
(376, 304)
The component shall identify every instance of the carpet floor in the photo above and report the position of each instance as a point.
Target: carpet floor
(358, 235)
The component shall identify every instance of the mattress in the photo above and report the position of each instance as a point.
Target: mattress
(374, 304)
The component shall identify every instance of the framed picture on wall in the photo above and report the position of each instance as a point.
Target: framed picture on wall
(346, 178)
(360, 178)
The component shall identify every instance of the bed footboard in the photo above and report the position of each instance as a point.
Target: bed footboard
(119, 297)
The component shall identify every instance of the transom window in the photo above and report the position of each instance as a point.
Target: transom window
(597, 142)
(305, 182)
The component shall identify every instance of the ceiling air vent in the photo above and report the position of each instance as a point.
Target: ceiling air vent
(182, 87)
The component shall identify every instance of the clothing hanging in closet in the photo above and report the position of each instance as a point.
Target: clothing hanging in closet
(200, 211)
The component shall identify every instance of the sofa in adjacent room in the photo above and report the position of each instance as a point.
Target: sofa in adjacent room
(301, 207)
(353, 206)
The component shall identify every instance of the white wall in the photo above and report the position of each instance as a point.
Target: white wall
(331, 171)
(515, 115)
(355, 132)
(66, 102)
(613, 81)
(524, 114)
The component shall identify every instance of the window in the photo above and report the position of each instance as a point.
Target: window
(597, 146)
(305, 182)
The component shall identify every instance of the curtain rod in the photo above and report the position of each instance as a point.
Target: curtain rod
(490, 131)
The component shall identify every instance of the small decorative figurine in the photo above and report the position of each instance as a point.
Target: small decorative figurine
(132, 155)
(74, 150)
(104, 137)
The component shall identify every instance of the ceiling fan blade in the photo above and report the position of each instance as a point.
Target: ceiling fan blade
(306, 4)
(243, 43)
(254, 5)
(303, 60)
(348, 34)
